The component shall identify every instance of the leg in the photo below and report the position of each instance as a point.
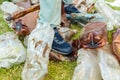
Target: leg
(36, 66)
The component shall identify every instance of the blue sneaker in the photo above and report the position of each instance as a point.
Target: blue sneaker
(71, 9)
(60, 45)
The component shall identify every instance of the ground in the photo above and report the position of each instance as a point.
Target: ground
(57, 70)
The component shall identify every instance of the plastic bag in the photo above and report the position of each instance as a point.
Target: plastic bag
(11, 50)
(67, 33)
(116, 43)
(116, 3)
(10, 8)
(85, 5)
(16, 1)
(94, 35)
(34, 1)
(109, 66)
(27, 22)
(87, 66)
(39, 46)
(113, 19)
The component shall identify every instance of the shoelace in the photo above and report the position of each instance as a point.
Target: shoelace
(58, 41)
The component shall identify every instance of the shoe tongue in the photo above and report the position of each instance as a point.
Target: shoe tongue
(55, 28)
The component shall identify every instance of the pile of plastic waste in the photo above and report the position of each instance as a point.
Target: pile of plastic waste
(97, 59)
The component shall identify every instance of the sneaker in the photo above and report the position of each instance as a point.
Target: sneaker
(60, 45)
(71, 9)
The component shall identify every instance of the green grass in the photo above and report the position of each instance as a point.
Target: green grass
(115, 7)
(57, 71)
(3, 26)
(109, 0)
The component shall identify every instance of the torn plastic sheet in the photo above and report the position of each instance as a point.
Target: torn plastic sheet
(112, 17)
(116, 43)
(97, 64)
(11, 50)
(94, 35)
(9, 7)
(87, 66)
(109, 66)
(115, 3)
(40, 42)
(85, 5)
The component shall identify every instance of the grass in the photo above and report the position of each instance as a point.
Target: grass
(3, 26)
(110, 0)
(114, 7)
(57, 71)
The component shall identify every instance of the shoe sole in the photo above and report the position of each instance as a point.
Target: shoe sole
(61, 52)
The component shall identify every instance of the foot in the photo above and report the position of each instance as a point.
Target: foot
(60, 45)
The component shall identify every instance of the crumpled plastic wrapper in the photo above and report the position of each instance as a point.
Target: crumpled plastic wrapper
(113, 19)
(85, 5)
(94, 35)
(11, 50)
(67, 33)
(39, 46)
(34, 1)
(15, 1)
(97, 64)
(116, 43)
(115, 3)
(9, 7)
(28, 22)
(87, 66)
(109, 66)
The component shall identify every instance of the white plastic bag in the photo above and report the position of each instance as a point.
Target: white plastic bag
(113, 19)
(115, 3)
(34, 1)
(16, 1)
(11, 50)
(39, 46)
(83, 5)
(87, 66)
(67, 33)
(109, 66)
(9, 7)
